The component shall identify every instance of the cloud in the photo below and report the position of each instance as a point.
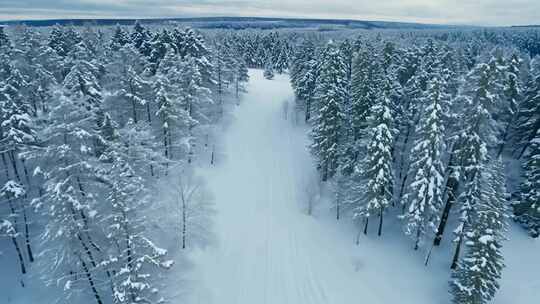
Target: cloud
(486, 12)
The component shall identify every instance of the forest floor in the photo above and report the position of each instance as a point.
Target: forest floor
(270, 251)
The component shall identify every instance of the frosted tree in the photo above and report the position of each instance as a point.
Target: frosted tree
(4, 39)
(330, 94)
(16, 128)
(281, 61)
(475, 280)
(195, 100)
(9, 193)
(425, 193)
(365, 87)
(175, 121)
(528, 117)
(195, 207)
(63, 40)
(71, 147)
(373, 175)
(119, 39)
(135, 259)
(224, 69)
(409, 106)
(127, 83)
(304, 72)
(527, 208)
(17, 135)
(241, 76)
(268, 72)
(476, 139)
(512, 95)
(139, 37)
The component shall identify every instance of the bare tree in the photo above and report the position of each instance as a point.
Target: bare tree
(195, 207)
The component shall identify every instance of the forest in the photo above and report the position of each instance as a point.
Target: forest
(434, 131)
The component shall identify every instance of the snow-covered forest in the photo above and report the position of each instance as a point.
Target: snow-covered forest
(155, 163)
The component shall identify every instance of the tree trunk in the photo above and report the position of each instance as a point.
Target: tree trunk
(366, 225)
(184, 225)
(452, 186)
(14, 165)
(6, 169)
(134, 111)
(26, 175)
(455, 259)
(90, 280)
(19, 254)
(27, 236)
(14, 238)
(324, 171)
(212, 156)
(528, 142)
(148, 114)
(381, 214)
(308, 109)
(428, 256)
(502, 145)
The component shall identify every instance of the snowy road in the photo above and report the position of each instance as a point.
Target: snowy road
(269, 251)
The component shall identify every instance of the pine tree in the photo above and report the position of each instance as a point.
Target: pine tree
(119, 38)
(136, 257)
(475, 280)
(10, 192)
(528, 117)
(304, 72)
(426, 189)
(527, 209)
(139, 36)
(365, 87)
(126, 82)
(512, 92)
(330, 95)
(175, 121)
(241, 76)
(4, 39)
(268, 71)
(476, 139)
(69, 159)
(373, 176)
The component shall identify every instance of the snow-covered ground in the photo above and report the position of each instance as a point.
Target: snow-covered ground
(269, 251)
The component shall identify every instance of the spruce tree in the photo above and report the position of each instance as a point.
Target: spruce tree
(330, 94)
(372, 193)
(426, 189)
(4, 39)
(527, 209)
(475, 280)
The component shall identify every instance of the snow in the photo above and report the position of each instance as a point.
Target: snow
(270, 251)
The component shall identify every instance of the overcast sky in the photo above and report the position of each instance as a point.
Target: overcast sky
(475, 12)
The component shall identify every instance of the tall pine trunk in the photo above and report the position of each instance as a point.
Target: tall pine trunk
(6, 169)
(452, 185)
(308, 109)
(381, 215)
(14, 238)
(90, 281)
(14, 165)
(184, 225)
